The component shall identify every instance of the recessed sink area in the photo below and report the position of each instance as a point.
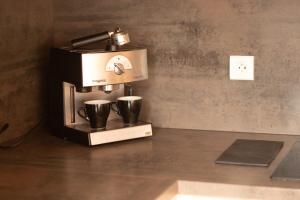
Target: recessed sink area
(190, 190)
(193, 197)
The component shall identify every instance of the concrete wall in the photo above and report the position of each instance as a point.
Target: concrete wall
(189, 44)
(25, 35)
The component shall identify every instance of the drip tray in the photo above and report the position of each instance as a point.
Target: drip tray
(251, 153)
(289, 168)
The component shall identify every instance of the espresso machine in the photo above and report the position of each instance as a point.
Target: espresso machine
(78, 74)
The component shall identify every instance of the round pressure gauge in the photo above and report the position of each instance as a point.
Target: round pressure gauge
(118, 64)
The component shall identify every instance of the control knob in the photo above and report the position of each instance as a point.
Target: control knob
(118, 68)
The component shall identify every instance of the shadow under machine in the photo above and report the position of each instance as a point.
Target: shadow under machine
(79, 74)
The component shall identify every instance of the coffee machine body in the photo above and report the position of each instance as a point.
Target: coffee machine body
(76, 76)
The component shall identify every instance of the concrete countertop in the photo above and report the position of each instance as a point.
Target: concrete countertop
(46, 167)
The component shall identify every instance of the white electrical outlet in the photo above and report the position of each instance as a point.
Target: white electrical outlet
(241, 67)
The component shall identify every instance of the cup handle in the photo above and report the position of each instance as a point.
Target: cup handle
(115, 109)
(84, 116)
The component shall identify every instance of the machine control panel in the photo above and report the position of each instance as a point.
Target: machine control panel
(109, 68)
(118, 64)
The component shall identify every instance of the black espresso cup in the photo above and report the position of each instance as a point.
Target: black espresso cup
(129, 108)
(96, 112)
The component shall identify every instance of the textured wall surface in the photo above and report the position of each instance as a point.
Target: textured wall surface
(26, 33)
(189, 44)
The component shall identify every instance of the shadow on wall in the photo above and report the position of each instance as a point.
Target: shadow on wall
(22, 100)
(26, 31)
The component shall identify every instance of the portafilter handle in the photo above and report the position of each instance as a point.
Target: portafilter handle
(90, 39)
(118, 38)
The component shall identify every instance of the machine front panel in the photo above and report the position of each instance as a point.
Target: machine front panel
(108, 68)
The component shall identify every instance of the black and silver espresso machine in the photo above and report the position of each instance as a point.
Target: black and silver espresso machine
(78, 74)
